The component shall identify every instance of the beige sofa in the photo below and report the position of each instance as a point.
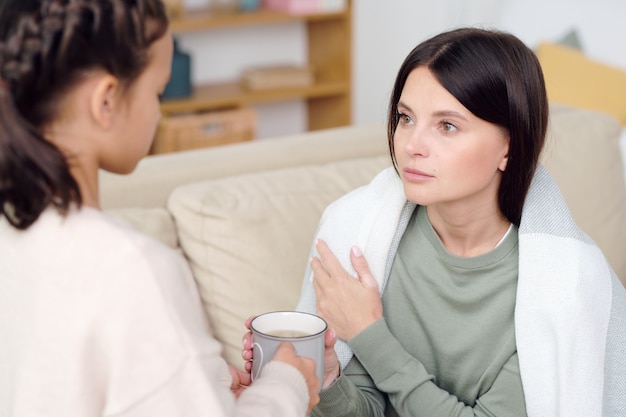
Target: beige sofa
(244, 215)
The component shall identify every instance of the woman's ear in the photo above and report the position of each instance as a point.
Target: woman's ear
(505, 159)
(503, 163)
(104, 101)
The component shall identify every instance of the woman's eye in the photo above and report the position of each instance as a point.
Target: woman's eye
(404, 119)
(448, 127)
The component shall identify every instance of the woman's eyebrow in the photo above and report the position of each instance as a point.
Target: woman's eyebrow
(438, 113)
(403, 105)
(449, 113)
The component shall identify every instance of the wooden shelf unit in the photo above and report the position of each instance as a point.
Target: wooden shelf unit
(204, 19)
(329, 37)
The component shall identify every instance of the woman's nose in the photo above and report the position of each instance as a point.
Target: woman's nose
(417, 142)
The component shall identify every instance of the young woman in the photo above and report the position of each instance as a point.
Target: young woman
(493, 302)
(95, 318)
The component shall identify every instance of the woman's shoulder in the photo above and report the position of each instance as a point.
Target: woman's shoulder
(385, 185)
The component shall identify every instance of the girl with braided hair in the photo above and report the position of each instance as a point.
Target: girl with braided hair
(97, 319)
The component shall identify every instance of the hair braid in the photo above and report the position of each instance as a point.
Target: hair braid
(46, 47)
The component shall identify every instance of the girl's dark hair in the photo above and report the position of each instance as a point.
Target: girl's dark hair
(46, 47)
(497, 78)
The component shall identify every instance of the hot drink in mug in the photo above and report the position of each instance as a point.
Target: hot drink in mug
(304, 330)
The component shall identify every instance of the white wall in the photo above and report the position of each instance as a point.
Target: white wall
(601, 24)
(384, 31)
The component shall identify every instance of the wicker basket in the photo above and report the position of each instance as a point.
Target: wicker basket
(178, 133)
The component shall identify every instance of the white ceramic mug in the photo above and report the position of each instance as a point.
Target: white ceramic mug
(306, 331)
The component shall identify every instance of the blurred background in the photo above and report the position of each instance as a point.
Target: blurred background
(382, 33)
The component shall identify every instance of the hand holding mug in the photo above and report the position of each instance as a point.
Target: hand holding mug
(306, 366)
(239, 380)
(331, 368)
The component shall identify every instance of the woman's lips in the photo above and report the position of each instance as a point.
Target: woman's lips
(415, 175)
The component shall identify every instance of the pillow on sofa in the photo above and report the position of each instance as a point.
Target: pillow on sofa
(575, 80)
(248, 237)
(583, 155)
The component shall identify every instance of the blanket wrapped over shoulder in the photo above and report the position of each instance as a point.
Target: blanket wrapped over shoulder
(570, 313)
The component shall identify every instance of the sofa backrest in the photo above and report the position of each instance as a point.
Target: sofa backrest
(156, 176)
(583, 155)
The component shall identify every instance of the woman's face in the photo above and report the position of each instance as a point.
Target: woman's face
(446, 156)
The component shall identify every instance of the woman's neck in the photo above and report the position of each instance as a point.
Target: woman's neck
(468, 234)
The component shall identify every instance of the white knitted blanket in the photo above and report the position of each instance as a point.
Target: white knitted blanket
(570, 315)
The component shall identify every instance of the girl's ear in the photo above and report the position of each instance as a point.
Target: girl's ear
(104, 101)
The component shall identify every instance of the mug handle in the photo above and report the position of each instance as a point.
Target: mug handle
(258, 369)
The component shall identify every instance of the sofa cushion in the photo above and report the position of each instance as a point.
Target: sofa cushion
(248, 237)
(583, 155)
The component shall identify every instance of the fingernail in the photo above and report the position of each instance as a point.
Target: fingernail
(356, 251)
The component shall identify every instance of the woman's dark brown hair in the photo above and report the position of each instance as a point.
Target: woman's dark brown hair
(46, 47)
(497, 78)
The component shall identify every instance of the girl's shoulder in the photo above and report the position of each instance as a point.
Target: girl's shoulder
(94, 228)
(87, 239)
